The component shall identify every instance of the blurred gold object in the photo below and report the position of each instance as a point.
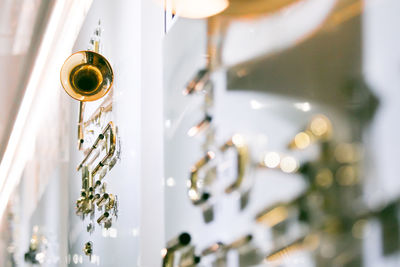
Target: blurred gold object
(237, 142)
(173, 246)
(348, 153)
(324, 177)
(200, 127)
(273, 160)
(197, 9)
(196, 195)
(198, 82)
(111, 202)
(214, 248)
(219, 250)
(347, 175)
(88, 248)
(274, 216)
(188, 258)
(255, 7)
(319, 129)
(241, 242)
(309, 242)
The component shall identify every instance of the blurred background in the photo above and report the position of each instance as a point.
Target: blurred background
(199, 133)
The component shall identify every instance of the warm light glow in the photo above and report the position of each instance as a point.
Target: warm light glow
(347, 176)
(324, 177)
(272, 160)
(193, 131)
(347, 153)
(289, 164)
(320, 126)
(197, 9)
(302, 140)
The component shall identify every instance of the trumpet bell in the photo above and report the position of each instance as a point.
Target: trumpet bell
(86, 76)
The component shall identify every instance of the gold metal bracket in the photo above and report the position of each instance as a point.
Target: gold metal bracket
(109, 131)
(172, 247)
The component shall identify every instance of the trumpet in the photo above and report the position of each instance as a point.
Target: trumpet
(86, 76)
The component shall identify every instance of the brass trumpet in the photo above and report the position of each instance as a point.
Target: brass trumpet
(86, 76)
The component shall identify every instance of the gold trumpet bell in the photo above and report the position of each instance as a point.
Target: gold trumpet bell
(86, 76)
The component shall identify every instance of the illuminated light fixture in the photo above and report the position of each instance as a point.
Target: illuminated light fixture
(16, 154)
(257, 7)
(197, 9)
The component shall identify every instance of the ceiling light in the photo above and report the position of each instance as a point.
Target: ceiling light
(197, 9)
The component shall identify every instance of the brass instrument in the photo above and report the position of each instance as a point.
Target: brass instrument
(86, 76)
(328, 164)
(111, 132)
